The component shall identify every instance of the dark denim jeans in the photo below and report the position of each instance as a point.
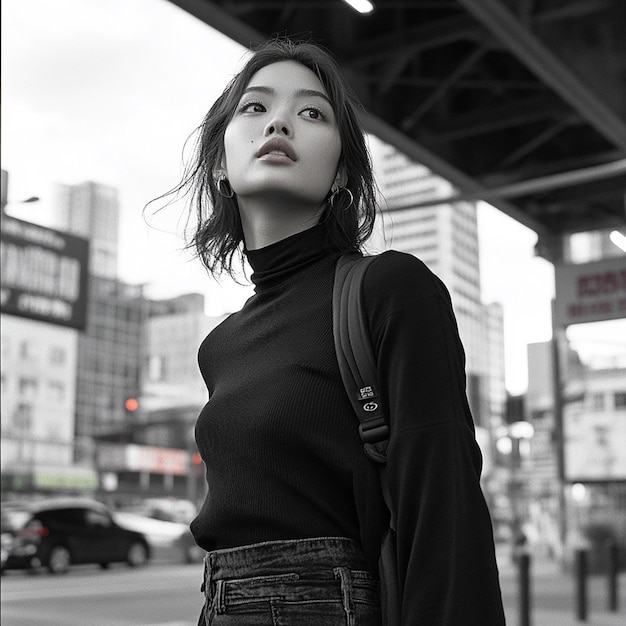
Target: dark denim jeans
(302, 582)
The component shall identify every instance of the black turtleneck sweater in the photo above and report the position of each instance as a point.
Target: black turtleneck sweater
(280, 443)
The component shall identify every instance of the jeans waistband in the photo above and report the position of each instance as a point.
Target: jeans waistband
(276, 557)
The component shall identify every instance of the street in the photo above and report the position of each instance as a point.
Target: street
(165, 594)
(157, 595)
(553, 598)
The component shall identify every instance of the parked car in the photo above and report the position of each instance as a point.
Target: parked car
(169, 539)
(169, 509)
(60, 532)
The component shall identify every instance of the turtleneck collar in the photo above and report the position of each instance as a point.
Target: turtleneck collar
(276, 263)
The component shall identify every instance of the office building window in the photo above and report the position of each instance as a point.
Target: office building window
(26, 350)
(6, 347)
(596, 402)
(28, 386)
(57, 355)
(23, 417)
(56, 390)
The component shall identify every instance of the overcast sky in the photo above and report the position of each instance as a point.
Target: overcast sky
(108, 90)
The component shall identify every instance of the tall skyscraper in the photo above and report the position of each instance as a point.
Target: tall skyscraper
(92, 210)
(445, 238)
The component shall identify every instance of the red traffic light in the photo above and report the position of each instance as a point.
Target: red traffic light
(131, 405)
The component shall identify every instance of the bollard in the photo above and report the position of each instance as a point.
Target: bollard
(612, 574)
(581, 585)
(523, 564)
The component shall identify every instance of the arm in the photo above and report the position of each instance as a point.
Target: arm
(446, 559)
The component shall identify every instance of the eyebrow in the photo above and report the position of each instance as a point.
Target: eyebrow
(300, 92)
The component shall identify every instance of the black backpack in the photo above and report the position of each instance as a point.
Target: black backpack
(357, 364)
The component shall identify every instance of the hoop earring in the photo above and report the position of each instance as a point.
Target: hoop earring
(224, 188)
(335, 194)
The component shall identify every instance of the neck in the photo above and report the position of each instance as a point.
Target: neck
(266, 223)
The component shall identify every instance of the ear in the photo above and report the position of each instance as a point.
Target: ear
(220, 170)
(341, 178)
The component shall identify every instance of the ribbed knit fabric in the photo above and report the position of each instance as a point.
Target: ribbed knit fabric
(278, 436)
(280, 441)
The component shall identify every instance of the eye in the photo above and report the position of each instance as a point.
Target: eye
(252, 107)
(313, 113)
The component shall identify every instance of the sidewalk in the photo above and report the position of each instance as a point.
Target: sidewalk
(553, 599)
(564, 618)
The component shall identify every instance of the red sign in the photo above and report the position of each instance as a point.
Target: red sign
(591, 292)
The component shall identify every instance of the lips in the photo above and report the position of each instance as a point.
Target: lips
(278, 147)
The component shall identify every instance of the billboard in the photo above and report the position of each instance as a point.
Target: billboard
(44, 273)
(591, 292)
(594, 444)
(135, 458)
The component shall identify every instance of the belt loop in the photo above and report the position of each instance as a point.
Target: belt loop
(207, 584)
(343, 573)
(218, 600)
(206, 569)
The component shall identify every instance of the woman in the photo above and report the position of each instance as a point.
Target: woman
(294, 515)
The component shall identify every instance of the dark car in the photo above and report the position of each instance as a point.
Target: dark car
(58, 533)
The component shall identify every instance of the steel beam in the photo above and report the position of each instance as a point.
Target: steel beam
(536, 185)
(539, 59)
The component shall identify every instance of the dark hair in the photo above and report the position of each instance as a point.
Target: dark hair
(218, 233)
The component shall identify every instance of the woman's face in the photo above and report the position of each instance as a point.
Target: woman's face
(283, 143)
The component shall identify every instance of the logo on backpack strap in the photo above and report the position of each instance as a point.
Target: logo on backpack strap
(370, 406)
(366, 392)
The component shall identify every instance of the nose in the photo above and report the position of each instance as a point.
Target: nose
(278, 126)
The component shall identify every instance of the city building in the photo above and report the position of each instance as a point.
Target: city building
(4, 189)
(103, 398)
(38, 370)
(175, 329)
(91, 210)
(110, 355)
(153, 451)
(494, 321)
(43, 302)
(593, 439)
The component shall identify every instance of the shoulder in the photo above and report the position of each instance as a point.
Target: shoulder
(395, 274)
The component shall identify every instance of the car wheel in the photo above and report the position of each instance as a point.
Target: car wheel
(59, 560)
(137, 554)
(193, 554)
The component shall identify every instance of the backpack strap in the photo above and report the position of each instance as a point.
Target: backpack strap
(360, 377)
(357, 363)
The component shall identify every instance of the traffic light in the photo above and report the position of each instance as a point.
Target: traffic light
(131, 405)
(196, 463)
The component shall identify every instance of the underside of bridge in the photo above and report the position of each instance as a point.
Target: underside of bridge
(518, 102)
